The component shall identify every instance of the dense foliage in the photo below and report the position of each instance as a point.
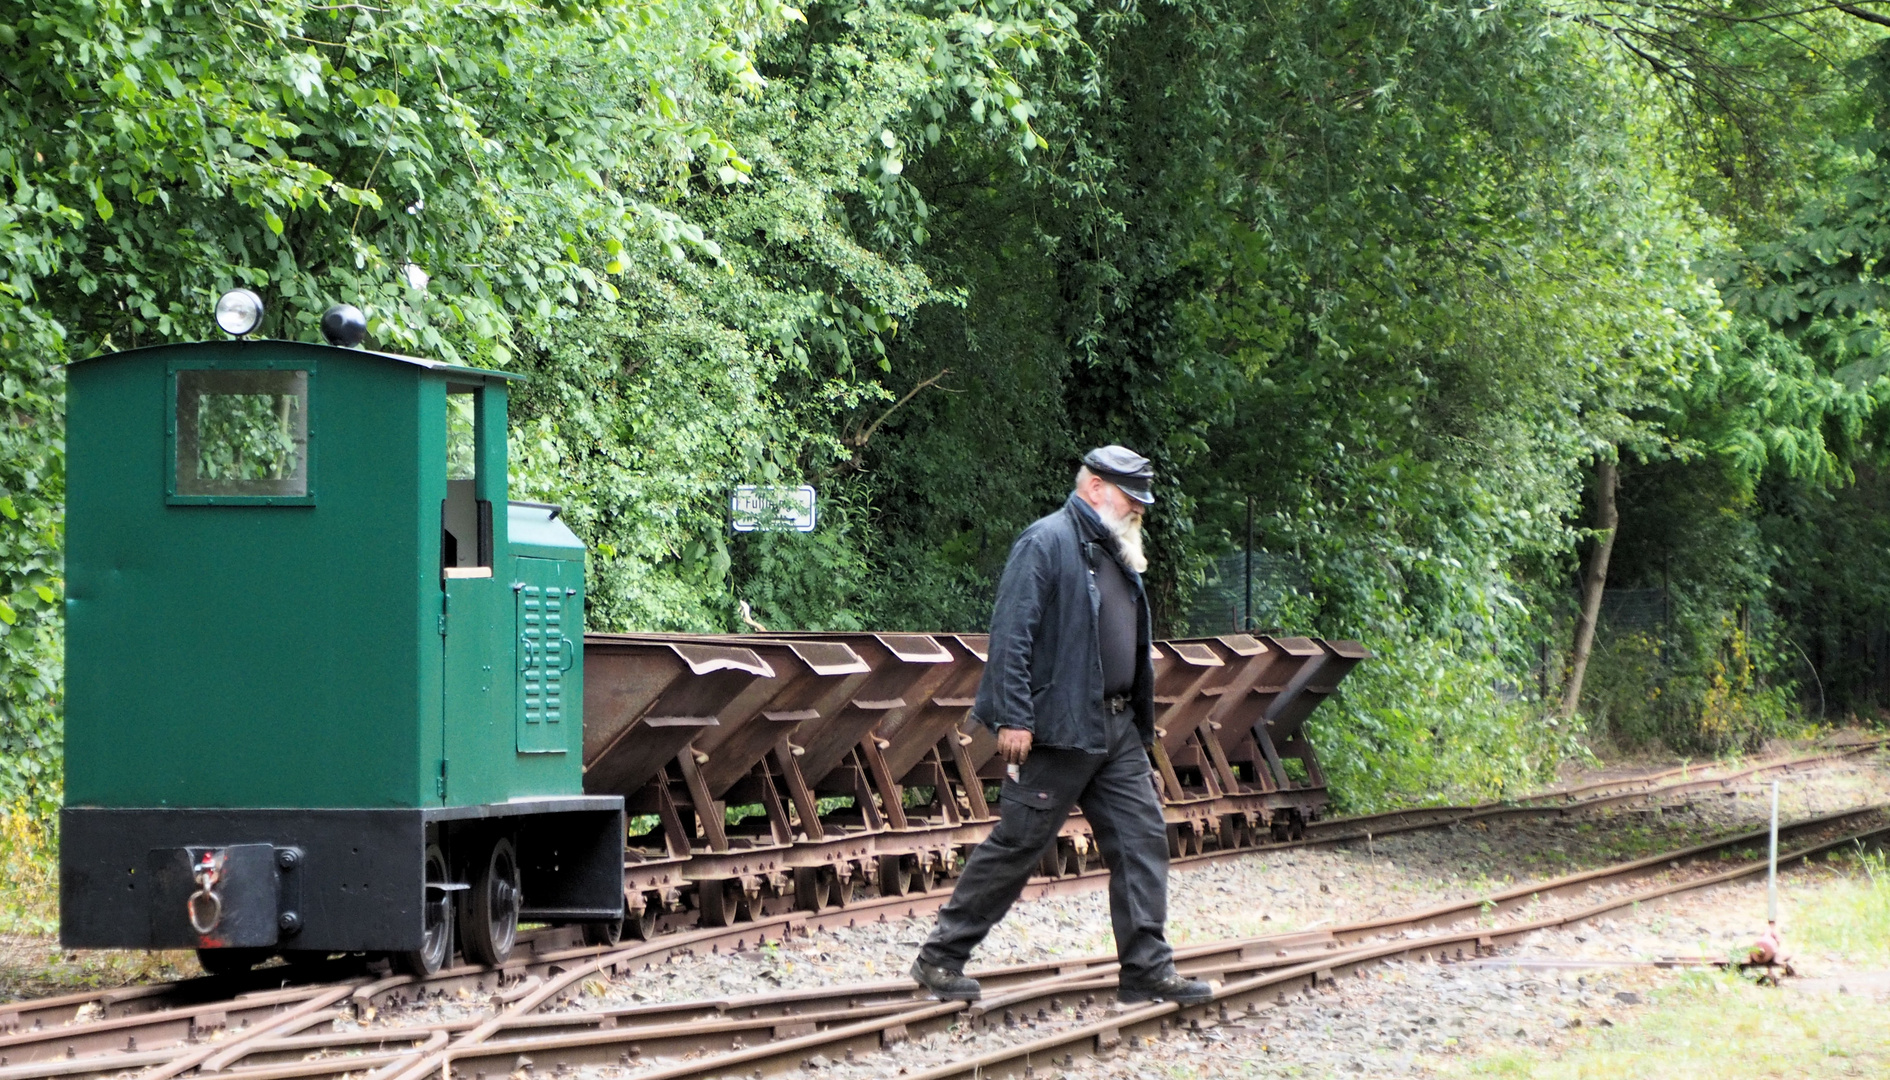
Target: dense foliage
(1395, 273)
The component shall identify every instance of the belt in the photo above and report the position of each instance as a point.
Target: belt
(1116, 704)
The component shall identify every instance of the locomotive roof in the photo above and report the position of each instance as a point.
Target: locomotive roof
(251, 344)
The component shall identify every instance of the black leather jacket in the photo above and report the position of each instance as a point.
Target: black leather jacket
(1045, 668)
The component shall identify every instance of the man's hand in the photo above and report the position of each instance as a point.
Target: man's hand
(1013, 745)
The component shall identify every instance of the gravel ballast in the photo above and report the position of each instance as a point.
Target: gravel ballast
(1394, 1019)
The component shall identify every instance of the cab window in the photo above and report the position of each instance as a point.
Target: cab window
(465, 519)
(240, 435)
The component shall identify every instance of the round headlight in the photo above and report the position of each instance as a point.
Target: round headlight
(239, 312)
(344, 326)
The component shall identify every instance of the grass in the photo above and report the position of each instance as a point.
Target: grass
(1722, 1027)
(1852, 916)
(1717, 1027)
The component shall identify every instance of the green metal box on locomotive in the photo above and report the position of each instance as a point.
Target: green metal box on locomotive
(320, 696)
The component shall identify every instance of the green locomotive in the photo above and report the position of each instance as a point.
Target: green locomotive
(324, 680)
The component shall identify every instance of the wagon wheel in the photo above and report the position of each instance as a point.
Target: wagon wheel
(893, 878)
(810, 888)
(609, 931)
(1075, 858)
(436, 941)
(641, 924)
(750, 906)
(490, 912)
(924, 874)
(1232, 834)
(717, 900)
(839, 890)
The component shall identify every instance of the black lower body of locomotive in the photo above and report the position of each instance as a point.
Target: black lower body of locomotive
(240, 885)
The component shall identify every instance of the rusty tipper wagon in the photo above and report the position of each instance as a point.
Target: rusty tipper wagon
(324, 679)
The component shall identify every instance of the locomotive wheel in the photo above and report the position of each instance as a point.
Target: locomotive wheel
(717, 900)
(489, 917)
(436, 944)
(924, 876)
(231, 961)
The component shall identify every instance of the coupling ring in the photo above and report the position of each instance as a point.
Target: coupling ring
(200, 899)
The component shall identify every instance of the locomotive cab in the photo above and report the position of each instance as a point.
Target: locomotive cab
(324, 680)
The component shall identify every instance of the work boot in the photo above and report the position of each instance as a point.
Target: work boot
(1172, 988)
(945, 984)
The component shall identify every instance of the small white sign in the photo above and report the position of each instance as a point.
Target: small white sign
(759, 508)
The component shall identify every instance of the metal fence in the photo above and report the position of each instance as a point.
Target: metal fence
(1221, 604)
(1635, 610)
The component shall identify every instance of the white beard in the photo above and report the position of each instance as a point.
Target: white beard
(1127, 529)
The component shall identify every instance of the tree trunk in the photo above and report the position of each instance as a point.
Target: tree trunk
(1606, 523)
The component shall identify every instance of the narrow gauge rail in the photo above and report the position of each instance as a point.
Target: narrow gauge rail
(1254, 971)
(267, 988)
(145, 1027)
(1252, 988)
(787, 1028)
(1561, 801)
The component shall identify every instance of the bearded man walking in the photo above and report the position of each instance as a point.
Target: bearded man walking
(1070, 693)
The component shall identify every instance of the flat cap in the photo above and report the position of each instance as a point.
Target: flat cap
(1124, 468)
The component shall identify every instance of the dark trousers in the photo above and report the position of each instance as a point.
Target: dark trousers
(1118, 801)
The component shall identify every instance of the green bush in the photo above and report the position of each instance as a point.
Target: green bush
(1707, 690)
(1426, 722)
(29, 880)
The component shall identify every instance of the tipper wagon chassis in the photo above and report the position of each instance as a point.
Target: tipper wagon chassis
(862, 771)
